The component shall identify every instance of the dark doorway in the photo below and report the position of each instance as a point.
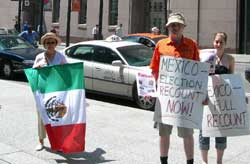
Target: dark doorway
(244, 27)
(138, 20)
(146, 14)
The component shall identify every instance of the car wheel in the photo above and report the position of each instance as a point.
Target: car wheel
(247, 74)
(7, 70)
(147, 103)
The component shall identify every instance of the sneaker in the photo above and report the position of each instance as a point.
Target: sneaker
(39, 147)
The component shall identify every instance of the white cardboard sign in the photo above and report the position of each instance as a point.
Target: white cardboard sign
(182, 87)
(146, 85)
(226, 113)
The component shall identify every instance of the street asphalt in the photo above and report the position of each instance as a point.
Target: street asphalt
(116, 134)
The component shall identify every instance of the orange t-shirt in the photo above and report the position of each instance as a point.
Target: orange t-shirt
(186, 49)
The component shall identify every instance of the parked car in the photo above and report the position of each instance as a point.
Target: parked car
(148, 39)
(3, 31)
(247, 74)
(110, 67)
(7, 31)
(16, 54)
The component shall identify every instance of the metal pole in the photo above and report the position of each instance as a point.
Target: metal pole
(237, 36)
(130, 17)
(68, 24)
(100, 20)
(166, 16)
(19, 15)
(245, 27)
(41, 19)
(198, 22)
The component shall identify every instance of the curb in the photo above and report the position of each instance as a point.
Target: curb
(240, 58)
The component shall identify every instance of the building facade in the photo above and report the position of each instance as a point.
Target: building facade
(9, 12)
(203, 18)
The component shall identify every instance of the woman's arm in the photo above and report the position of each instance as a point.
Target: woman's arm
(39, 61)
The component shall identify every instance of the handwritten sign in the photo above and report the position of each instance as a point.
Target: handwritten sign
(226, 113)
(209, 56)
(146, 85)
(182, 86)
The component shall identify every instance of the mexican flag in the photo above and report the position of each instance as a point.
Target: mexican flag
(60, 98)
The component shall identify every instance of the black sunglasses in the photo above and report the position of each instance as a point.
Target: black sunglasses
(175, 24)
(50, 43)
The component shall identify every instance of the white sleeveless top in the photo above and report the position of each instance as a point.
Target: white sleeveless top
(223, 61)
(57, 60)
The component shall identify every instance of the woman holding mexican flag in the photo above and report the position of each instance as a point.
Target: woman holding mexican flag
(47, 58)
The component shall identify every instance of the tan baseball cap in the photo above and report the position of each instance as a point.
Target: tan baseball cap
(176, 18)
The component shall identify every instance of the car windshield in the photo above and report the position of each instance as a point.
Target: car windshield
(131, 38)
(136, 55)
(12, 32)
(3, 31)
(12, 43)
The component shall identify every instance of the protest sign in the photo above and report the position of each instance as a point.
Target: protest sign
(146, 85)
(209, 56)
(226, 113)
(181, 87)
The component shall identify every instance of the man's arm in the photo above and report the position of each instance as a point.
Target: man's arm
(155, 62)
(22, 34)
(196, 52)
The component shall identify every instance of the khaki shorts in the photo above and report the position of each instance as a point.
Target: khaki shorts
(166, 130)
(41, 128)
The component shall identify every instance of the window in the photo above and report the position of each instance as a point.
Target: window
(82, 19)
(160, 7)
(146, 42)
(105, 55)
(138, 55)
(131, 38)
(157, 22)
(13, 43)
(155, 7)
(113, 12)
(56, 11)
(150, 6)
(81, 52)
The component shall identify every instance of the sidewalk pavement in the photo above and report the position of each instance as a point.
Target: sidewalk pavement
(241, 58)
(115, 135)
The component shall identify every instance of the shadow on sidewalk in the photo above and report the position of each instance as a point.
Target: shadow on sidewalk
(82, 158)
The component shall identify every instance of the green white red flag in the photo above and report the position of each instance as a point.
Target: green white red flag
(60, 98)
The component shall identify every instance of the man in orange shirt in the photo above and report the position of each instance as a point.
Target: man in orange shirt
(175, 45)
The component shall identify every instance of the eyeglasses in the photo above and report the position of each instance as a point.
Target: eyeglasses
(175, 25)
(50, 43)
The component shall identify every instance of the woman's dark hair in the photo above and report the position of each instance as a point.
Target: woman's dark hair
(223, 34)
